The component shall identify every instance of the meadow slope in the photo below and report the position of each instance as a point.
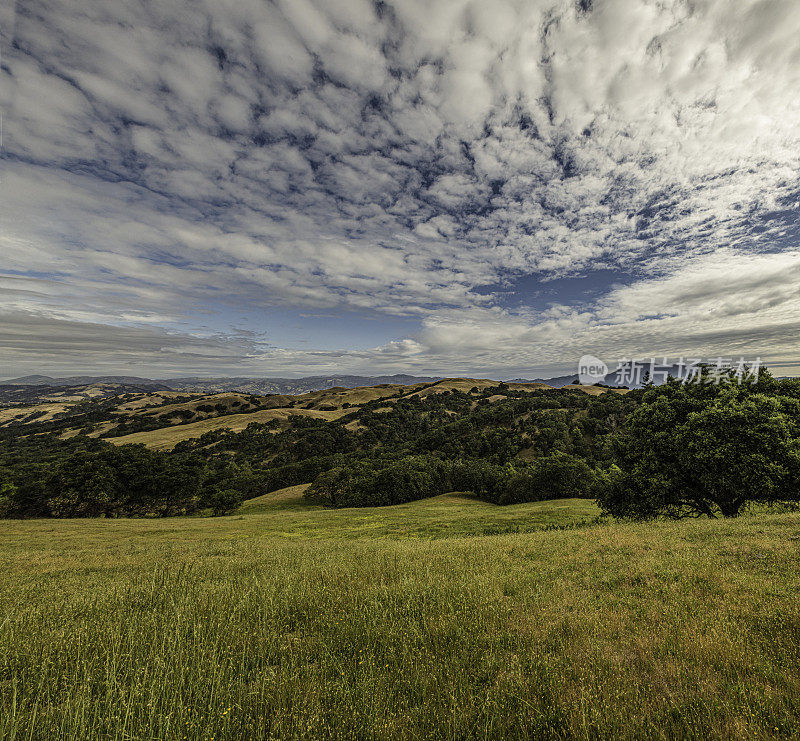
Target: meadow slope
(288, 621)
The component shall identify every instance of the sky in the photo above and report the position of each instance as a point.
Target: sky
(434, 187)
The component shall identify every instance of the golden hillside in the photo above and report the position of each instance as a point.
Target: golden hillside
(161, 419)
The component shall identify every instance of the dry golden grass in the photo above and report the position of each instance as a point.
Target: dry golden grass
(224, 398)
(11, 414)
(154, 399)
(147, 403)
(167, 438)
(452, 384)
(355, 396)
(100, 429)
(593, 390)
(291, 495)
(466, 384)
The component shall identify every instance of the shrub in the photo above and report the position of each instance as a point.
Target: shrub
(221, 501)
(556, 476)
(485, 480)
(379, 483)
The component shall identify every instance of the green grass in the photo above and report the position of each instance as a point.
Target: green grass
(287, 621)
(449, 515)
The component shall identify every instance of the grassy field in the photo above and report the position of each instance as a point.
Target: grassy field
(446, 619)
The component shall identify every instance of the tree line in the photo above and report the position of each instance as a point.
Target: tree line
(96, 479)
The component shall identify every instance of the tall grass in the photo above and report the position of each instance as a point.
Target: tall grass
(148, 630)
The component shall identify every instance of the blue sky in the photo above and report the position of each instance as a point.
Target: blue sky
(444, 187)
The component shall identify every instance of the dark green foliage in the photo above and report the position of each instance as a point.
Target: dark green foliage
(370, 484)
(481, 478)
(664, 450)
(382, 482)
(402, 448)
(7, 493)
(84, 477)
(554, 476)
(703, 449)
(112, 482)
(300, 472)
(221, 501)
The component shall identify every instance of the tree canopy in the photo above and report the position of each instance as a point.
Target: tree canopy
(705, 449)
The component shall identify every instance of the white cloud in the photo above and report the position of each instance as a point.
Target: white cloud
(405, 161)
(281, 52)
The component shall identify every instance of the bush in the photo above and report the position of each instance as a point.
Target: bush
(485, 480)
(556, 476)
(221, 501)
(381, 483)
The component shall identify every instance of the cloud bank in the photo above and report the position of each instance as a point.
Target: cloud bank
(167, 167)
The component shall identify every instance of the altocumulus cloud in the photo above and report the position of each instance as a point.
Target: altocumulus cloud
(432, 160)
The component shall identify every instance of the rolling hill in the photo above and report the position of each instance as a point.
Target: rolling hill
(162, 418)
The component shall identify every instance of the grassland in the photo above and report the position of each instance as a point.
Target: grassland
(166, 438)
(43, 411)
(288, 621)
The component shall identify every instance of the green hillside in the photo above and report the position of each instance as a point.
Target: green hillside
(291, 621)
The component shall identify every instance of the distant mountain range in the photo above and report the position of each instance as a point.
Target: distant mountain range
(37, 380)
(557, 381)
(248, 385)
(211, 385)
(287, 385)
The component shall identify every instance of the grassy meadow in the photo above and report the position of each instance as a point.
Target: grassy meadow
(447, 618)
